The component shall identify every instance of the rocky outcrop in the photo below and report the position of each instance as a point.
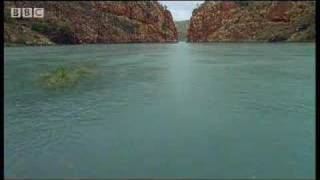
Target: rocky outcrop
(253, 21)
(78, 22)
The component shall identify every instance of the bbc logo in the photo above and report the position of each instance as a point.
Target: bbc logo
(27, 12)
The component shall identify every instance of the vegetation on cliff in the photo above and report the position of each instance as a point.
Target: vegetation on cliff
(270, 21)
(16, 33)
(75, 22)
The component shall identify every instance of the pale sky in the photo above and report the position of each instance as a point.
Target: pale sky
(181, 10)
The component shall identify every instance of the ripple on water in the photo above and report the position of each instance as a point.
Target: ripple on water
(215, 110)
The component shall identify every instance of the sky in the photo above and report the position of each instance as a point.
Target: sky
(181, 10)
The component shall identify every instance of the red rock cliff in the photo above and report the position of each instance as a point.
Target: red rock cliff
(253, 21)
(77, 22)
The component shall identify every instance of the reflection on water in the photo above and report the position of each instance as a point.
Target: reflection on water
(162, 110)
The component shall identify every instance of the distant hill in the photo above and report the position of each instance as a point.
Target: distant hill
(182, 28)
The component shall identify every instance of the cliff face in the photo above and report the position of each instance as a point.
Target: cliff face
(91, 22)
(253, 21)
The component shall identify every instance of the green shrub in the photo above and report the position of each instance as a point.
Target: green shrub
(40, 26)
(58, 32)
(62, 77)
(46, 27)
(165, 27)
(242, 3)
(7, 16)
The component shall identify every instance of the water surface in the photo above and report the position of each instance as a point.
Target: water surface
(163, 110)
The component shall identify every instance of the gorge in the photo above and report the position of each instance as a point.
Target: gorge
(149, 21)
(110, 89)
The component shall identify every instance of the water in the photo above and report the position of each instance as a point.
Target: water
(163, 110)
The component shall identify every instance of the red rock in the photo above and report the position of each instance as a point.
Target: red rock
(103, 21)
(278, 11)
(253, 21)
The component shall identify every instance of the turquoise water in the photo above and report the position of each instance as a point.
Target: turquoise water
(163, 110)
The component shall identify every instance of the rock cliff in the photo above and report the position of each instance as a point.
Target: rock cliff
(253, 21)
(78, 22)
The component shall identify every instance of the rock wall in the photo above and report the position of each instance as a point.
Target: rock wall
(253, 21)
(78, 22)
